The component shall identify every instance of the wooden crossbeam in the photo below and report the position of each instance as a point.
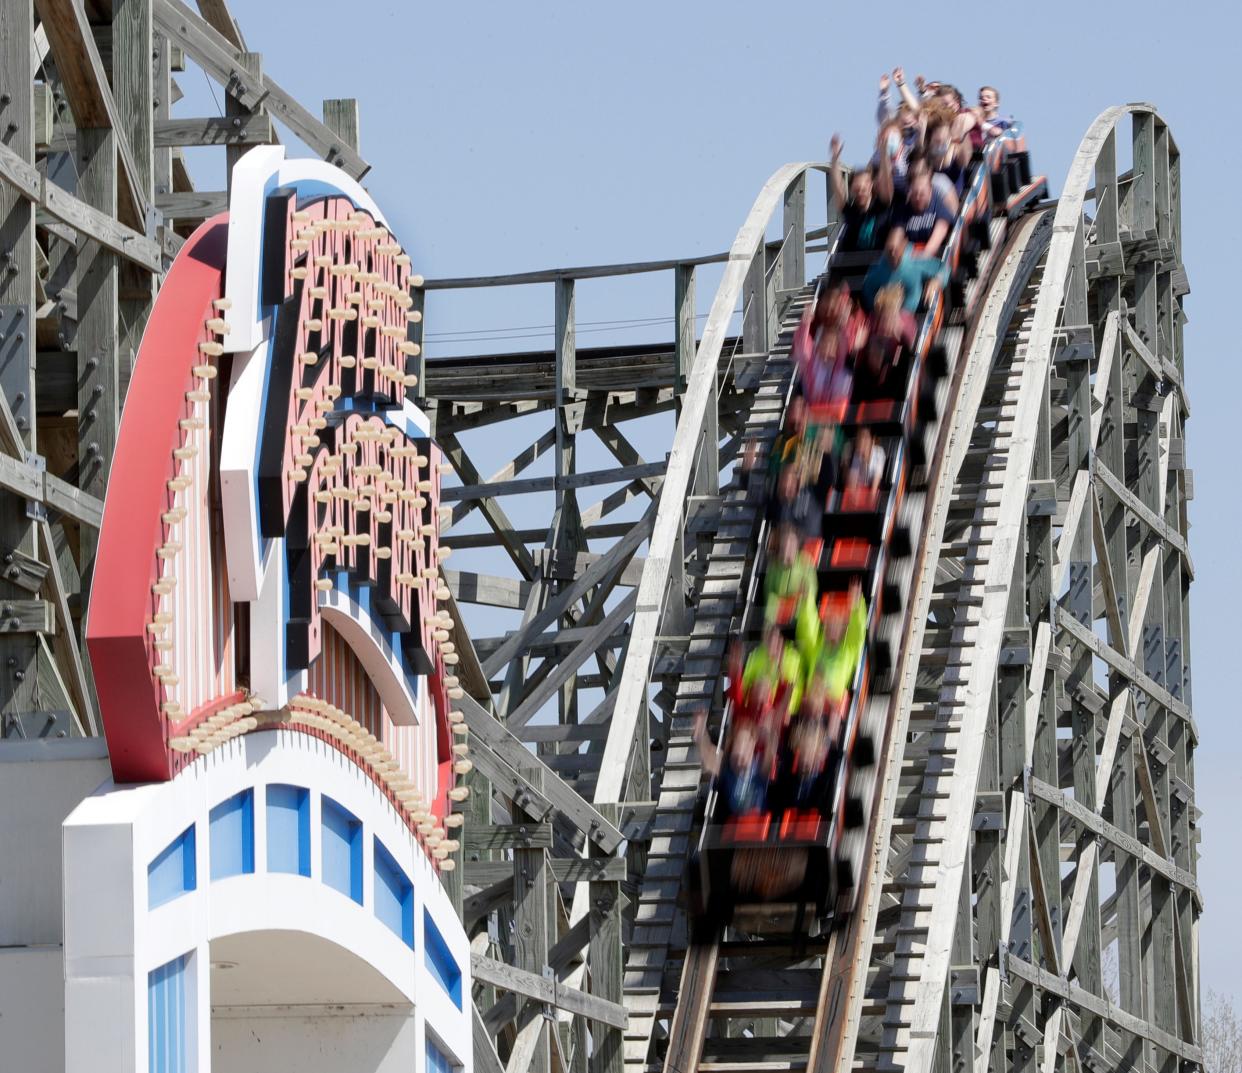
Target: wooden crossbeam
(1112, 834)
(492, 511)
(87, 88)
(87, 221)
(550, 484)
(602, 531)
(193, 206)
(1101, 1007)
(1144, 513)
(567, 665)
(1127, 667)
(564, 870)
(583, 816)
(217, 13)
(221, 59)
(550, 991)
(215, 130)
(608, 563)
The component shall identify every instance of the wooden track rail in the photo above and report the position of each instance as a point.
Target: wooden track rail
(594, 521)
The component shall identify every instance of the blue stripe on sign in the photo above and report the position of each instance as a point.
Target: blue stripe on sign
(440, 961)
(288, 830)
(173, 873)
(232, 836)
(167, 1039)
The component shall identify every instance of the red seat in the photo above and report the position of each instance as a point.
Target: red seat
(851, 553)
(876, 410)
(827, 413)
(802, 825)
(834, 601)
(752, 827)
(860, 500)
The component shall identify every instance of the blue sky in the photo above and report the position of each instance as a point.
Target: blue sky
(506, 137)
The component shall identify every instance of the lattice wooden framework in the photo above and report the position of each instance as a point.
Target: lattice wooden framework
(1071, 829)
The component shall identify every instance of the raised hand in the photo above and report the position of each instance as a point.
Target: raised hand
(899, 75)
(836, 145)
(884, 83)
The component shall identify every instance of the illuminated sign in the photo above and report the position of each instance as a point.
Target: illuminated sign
(269, 553)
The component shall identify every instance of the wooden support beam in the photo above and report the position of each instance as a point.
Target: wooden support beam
(547, 484)
(1103, 1008)
(26, 616)
(531, 918)
(486, 874)
(86, 84)
(340, 115)
(133, 82)
(548, 991)
(217, 13)
(34, 483)
(492, 511)
(251, 129)
(1122, 664)
(1114, 835)
(194, 206)
(611, 562)
(78, 213)
(222, 61)
(99, 403)
(605, 963)
(583, 816)
(567, 665)
(19, 652)
(508, 836)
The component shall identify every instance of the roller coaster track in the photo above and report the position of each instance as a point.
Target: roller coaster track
(1030, 818)
(976, 939)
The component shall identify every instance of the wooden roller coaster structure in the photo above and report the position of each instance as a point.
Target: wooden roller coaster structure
(1032, 819)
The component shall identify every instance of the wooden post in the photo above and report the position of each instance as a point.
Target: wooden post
(161, 89)
(793, 262)
(133, 83)
(1045, 819)
(605, 959)
(252, 63)
(530, 944)
(566, 380)
(1011, 690)
(686, 323)
(18, 651)
(754, 304)
(340, 115)
(1080, 604)
(98, 381)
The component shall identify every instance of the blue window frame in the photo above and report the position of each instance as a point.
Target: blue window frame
(232, 836)
(288, 830)
(174, 872)
(440, 961)
(342, 850)
(437, 1060)
(394, 895)
(168, 1041)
